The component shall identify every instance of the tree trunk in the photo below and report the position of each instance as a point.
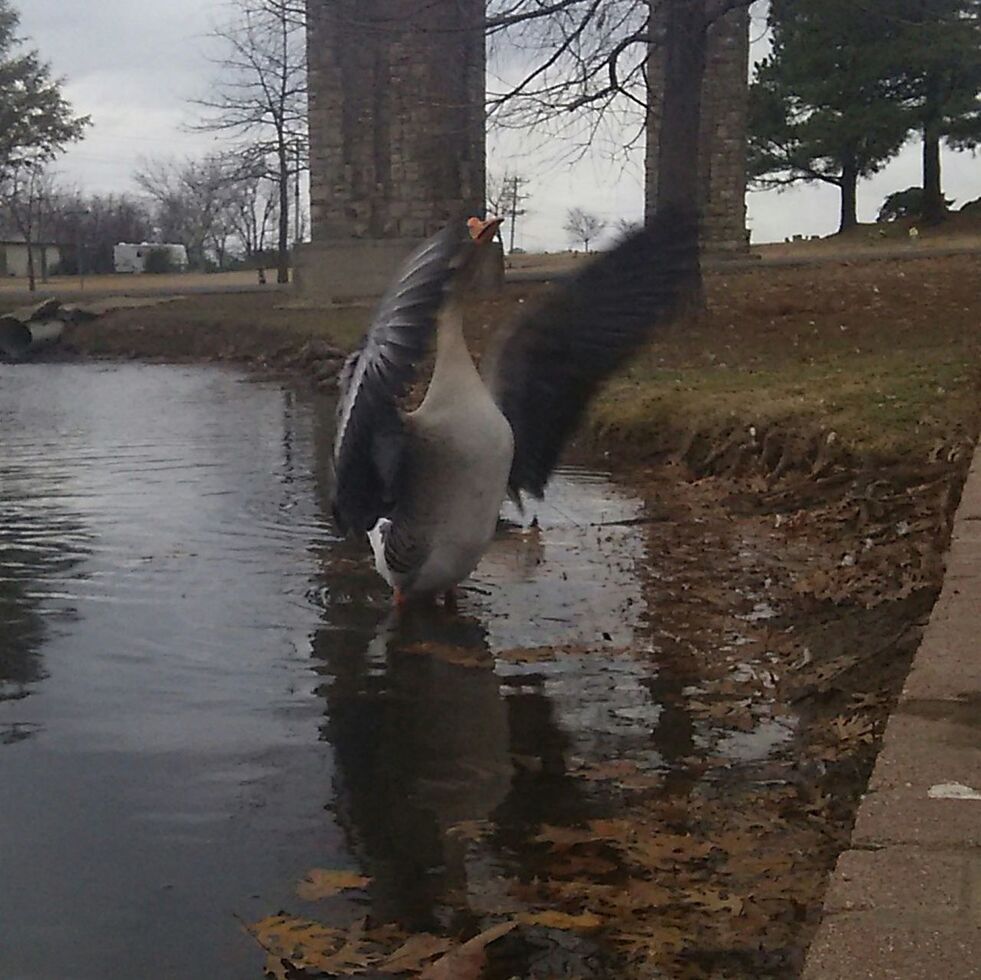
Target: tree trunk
(685, 40)
(849, 197)
(933, 197)
(31, 283)
(283, 258)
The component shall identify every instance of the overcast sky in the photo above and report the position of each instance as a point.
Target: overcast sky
(133, 64)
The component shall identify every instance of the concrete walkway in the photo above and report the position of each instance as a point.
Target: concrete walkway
(904, 903)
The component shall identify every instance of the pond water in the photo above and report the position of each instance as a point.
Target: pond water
(204, 694)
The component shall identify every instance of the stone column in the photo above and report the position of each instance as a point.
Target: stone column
(397, 143)
(722, 158)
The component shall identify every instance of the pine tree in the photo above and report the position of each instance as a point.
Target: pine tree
(937, 65)
(824, 105)
(35, 120)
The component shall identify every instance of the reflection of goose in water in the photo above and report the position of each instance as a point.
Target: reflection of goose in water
(427, 486)
(425, 746)
(422, 744)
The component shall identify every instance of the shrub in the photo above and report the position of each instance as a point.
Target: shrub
(159, 262)
(904, 204)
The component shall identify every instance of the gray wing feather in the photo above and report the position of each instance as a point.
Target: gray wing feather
(407, 541)
(370, 438)
(555, 357)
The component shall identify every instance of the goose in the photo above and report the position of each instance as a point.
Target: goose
(427, 486)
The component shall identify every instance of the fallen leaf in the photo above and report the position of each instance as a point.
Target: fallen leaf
(572, 863)
(466, 962)
(646, 895)
(716, 901)
(530, 655)
(626, 773)
(414, 954)
(669, 849)
(301, 944)
(859, 728)
(471, 830)
(563, 837)
(611, 829)
(459, 656)
(584, 922)
(322, 883)
(657, 939)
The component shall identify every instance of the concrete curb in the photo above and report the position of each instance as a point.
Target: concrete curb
(904, 903)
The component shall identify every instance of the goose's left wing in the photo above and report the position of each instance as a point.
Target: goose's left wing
(554, 358)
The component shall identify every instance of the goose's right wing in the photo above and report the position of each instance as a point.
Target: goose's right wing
(370, 438)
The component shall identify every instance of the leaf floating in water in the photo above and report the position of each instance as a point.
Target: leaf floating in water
(414, 954)
(322, 883)
(466, 962)
(459, 656)
(471, 830)
(295, 944)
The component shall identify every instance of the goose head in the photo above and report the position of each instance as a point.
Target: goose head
(482, 230)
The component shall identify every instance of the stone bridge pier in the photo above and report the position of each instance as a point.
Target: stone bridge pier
(397, 135)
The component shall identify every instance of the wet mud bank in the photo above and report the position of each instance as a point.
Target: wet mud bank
(260, 333)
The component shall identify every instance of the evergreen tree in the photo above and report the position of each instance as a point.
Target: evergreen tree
(35, 121)
(824, 105)
(937, 63)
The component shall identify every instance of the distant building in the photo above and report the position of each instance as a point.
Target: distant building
(128, 257)
(13, 256)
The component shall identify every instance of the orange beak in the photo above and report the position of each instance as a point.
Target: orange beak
(483, 231)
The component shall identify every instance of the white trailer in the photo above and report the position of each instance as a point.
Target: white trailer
(128, 257)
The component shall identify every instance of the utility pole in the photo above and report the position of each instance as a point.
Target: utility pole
(79, 215)
(516, 183)
(296, 199)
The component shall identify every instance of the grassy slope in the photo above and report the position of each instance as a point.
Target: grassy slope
(878, 361)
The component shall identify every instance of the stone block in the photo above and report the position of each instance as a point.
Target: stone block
(346, 271)
(948, 663)
(927, 745)
(873, 946)
(906, 880)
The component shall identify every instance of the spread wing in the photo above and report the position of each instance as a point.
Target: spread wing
(370, 437)
(555, 357)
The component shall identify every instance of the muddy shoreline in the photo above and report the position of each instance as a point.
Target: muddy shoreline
(794, 621)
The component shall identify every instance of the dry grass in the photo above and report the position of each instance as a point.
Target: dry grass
(876, 360)
(132, 284)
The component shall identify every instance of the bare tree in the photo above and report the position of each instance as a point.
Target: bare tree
(625, 227)
(259, 98)
(583, 226)
(26, 192)
(255, 201)
(505, 198)
(96, 222)
(192, 203)
(555, 58)
(582, 69)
